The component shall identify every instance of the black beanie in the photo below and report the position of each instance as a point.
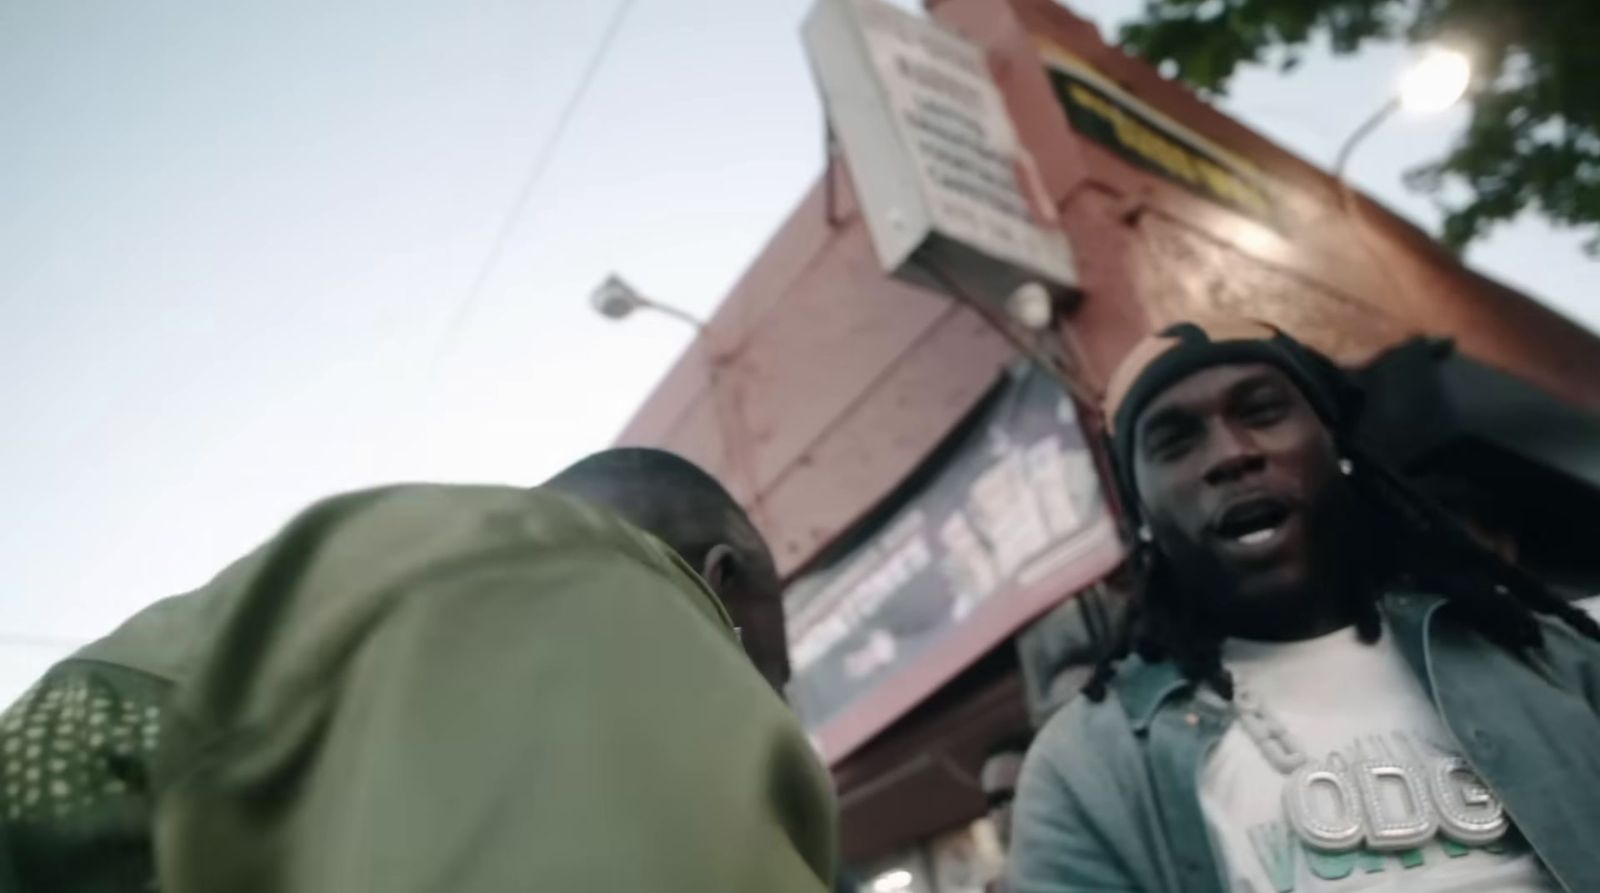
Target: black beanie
(1180, 350)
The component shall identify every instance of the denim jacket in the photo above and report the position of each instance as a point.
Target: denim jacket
(1109, 797)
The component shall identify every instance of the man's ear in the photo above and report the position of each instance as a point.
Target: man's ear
(720, 568)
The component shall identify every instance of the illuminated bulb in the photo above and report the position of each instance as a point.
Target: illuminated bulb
(890, 881)
(1436, 81)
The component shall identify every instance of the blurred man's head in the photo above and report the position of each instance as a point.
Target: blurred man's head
(687, 509)
(1226, 452)
(1002, 766)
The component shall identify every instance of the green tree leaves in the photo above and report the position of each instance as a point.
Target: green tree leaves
(1534, 138)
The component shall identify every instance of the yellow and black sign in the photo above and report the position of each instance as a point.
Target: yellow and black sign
(1151, 142)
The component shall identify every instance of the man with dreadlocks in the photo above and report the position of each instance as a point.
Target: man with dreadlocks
(1328, 686)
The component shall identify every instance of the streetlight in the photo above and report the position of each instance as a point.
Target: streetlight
(1432, 84)
(1436, 81)
(616, 299)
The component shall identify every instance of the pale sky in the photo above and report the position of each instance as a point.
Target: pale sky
(232, 235)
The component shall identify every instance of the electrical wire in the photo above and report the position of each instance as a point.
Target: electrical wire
(536, 172)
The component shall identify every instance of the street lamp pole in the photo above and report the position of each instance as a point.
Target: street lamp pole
(1361, 133)
(616, 299)
(1434, 82)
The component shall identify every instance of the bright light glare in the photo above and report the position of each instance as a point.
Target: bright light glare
(1435, 81)
(890, 881)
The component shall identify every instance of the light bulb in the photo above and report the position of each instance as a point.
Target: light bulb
(890, 881)
(1031, 306)
(1435, 81)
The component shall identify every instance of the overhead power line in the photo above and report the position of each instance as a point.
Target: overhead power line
(536, 172)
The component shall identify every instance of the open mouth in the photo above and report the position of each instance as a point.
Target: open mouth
(1252, 522)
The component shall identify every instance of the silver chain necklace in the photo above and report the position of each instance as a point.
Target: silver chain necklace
(1339, 804)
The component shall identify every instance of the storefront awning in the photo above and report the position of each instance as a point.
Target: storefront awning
(1424, 397)
(1535, 461)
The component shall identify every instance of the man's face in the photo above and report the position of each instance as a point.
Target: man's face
(1233, 470)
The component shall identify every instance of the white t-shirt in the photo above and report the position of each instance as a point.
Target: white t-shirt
(1334, 693)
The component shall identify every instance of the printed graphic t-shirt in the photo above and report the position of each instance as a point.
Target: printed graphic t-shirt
(1338, 695)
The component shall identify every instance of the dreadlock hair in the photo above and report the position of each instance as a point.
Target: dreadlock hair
(1411, 542)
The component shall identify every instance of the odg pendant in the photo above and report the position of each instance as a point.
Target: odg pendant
(1387, 804)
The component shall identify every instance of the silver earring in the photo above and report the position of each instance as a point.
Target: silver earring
(1346, 467)
(1145, 536)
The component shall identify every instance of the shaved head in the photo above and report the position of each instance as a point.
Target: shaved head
(685, 507)
(667, 495)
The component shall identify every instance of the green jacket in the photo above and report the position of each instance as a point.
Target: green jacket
(76, 751)
(458, 688)
(1109, 799)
